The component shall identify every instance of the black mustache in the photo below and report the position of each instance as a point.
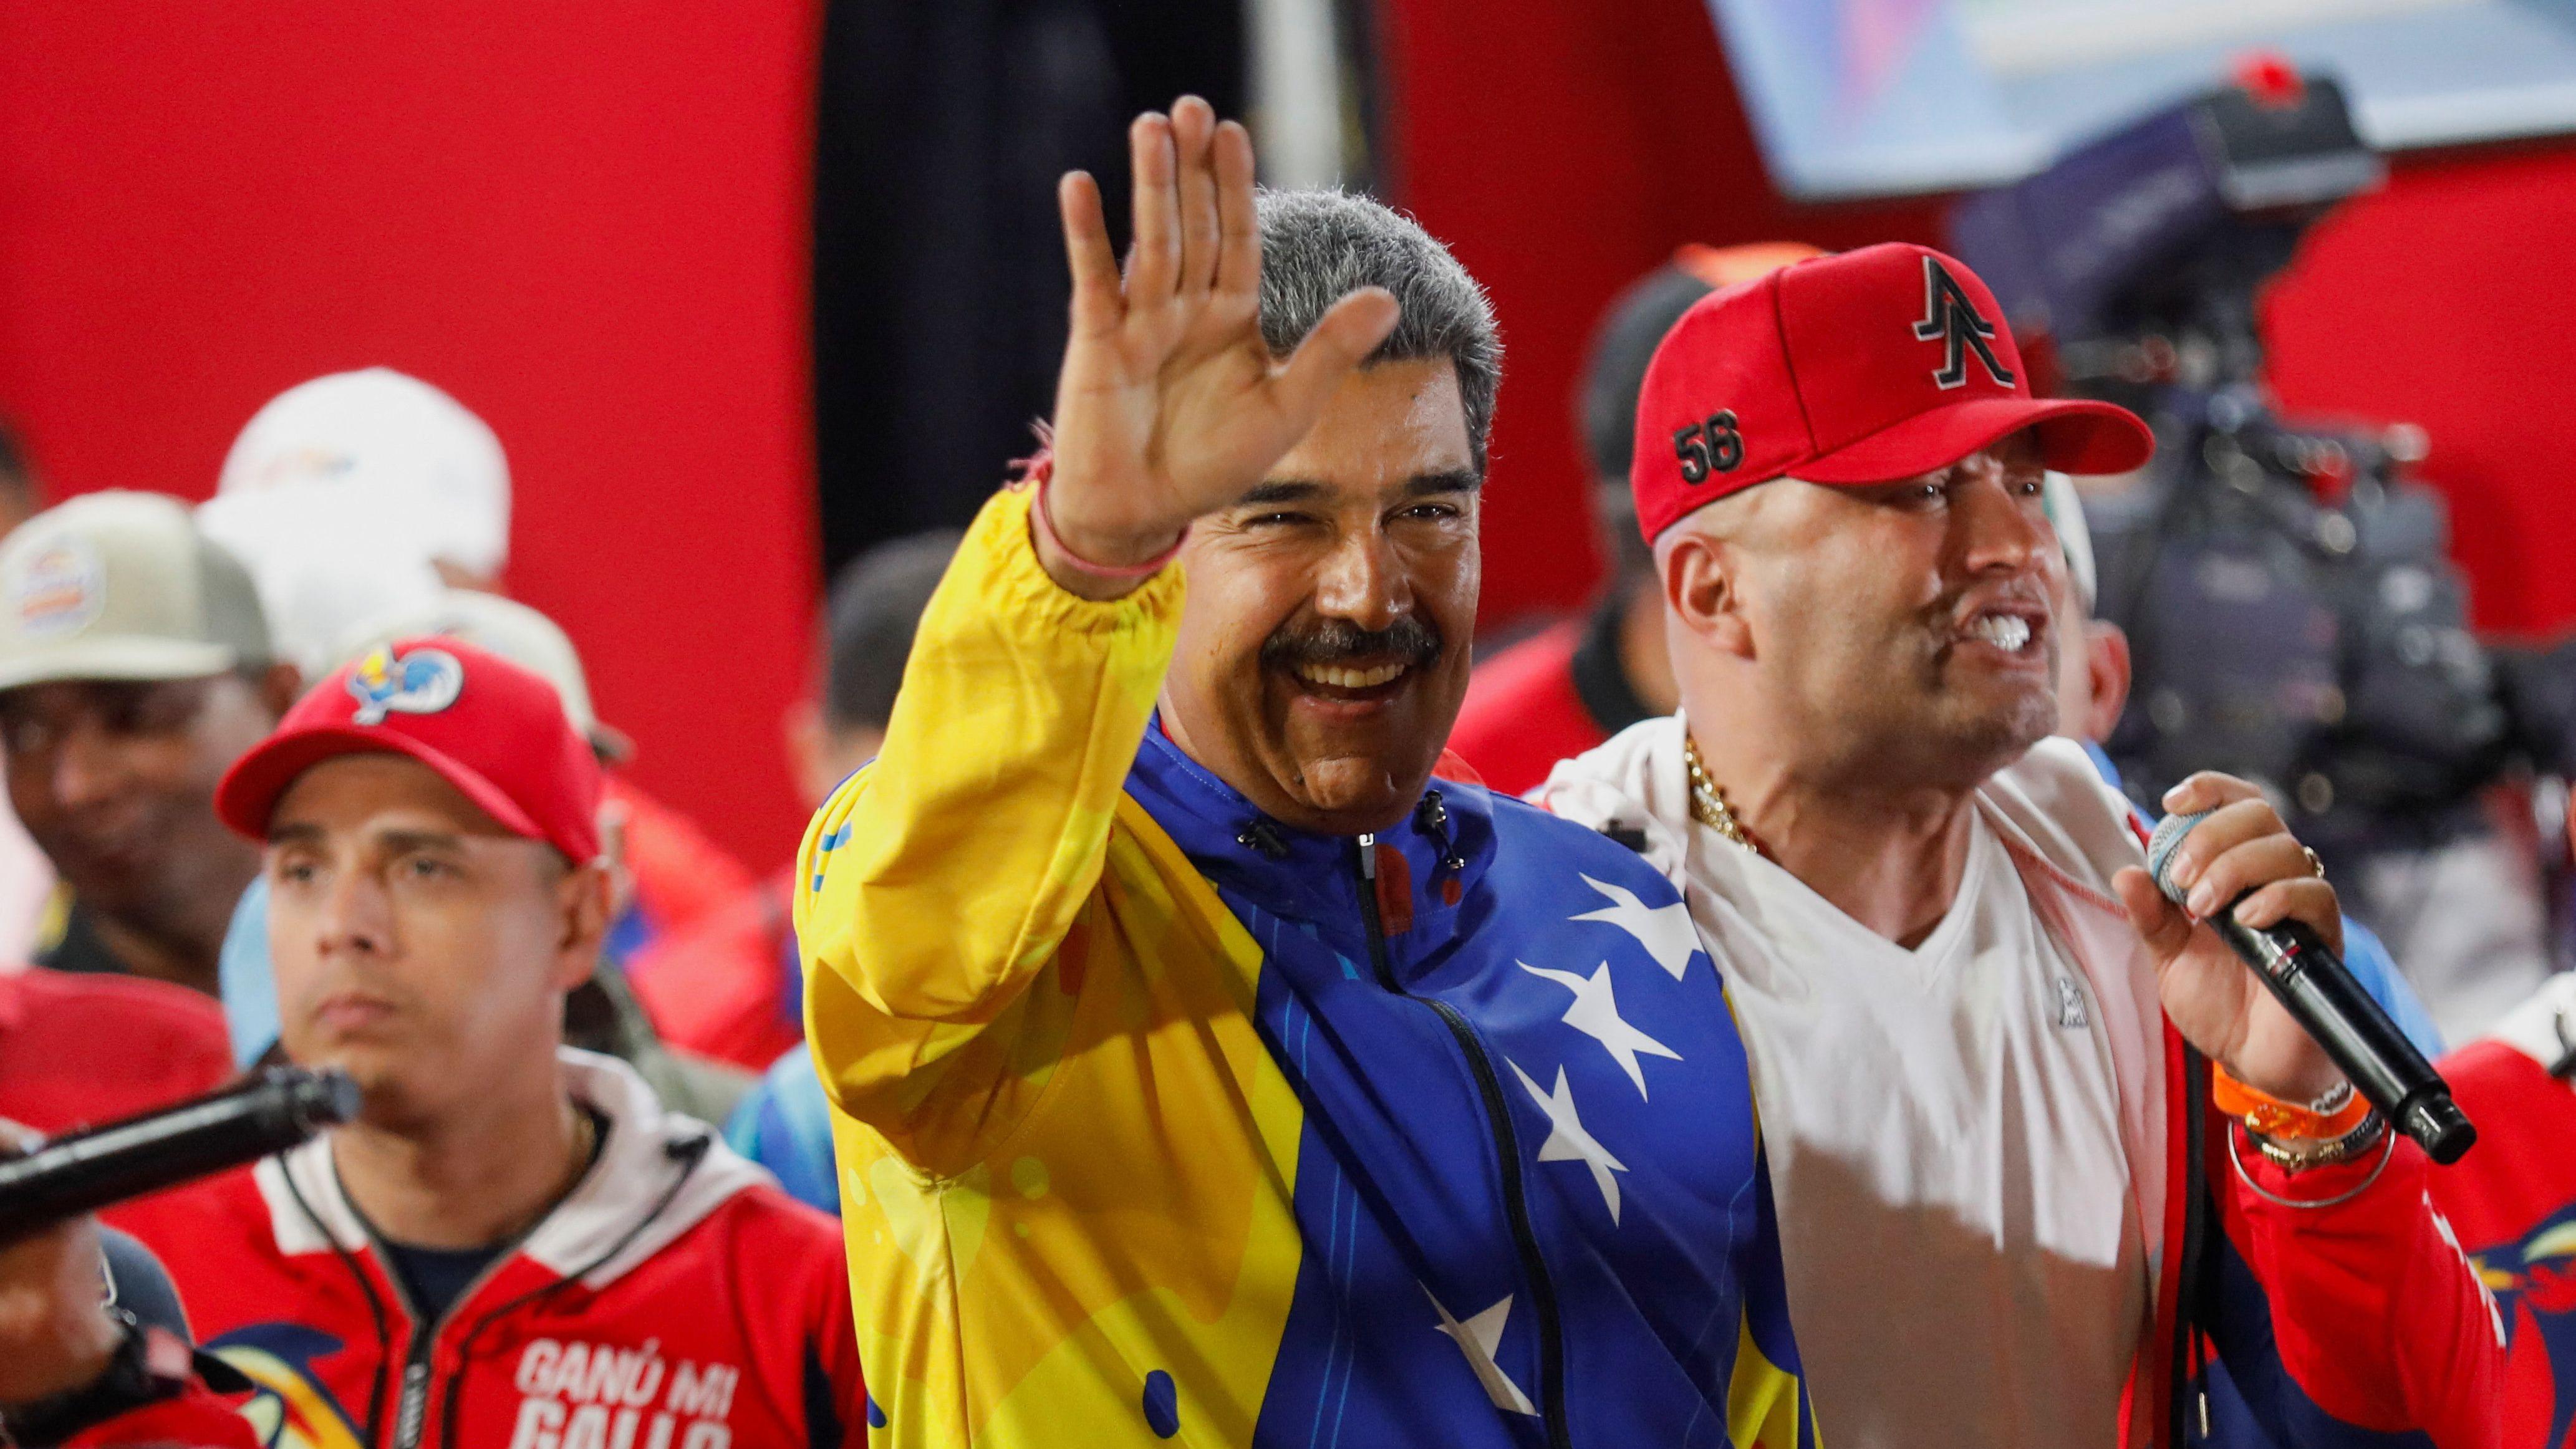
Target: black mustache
(1410, 638)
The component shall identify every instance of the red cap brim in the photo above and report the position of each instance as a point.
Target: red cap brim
(2075, 436)
(248, 794)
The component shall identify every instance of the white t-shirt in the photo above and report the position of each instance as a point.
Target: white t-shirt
(1972, 1185)
(1964, 1257)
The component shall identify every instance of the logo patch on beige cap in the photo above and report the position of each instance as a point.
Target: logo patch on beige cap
(57, 590)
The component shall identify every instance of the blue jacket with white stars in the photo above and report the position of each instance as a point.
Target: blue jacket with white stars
(1497, 1146)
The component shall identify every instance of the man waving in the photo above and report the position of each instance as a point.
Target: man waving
(1204, 1069)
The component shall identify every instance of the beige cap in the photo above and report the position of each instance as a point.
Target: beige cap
(123, 586)
(505, 627)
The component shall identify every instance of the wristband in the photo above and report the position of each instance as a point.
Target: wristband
(1037, 471)
(2336, 1114)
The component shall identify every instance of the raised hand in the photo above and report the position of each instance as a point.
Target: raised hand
(2213, 996)
(1169, 405)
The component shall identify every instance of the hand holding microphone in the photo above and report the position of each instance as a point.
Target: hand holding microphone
(2232, 888)
(52, 1335)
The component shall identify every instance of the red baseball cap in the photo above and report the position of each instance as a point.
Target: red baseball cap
(493, 730)
(1861, 367)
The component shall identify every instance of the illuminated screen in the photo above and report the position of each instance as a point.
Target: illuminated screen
(1885, 97)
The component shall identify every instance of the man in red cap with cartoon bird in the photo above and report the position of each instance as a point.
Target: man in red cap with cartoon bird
(514, 1243)
(2052, 1167)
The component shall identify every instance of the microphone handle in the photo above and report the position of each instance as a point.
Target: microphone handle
(89, 1170)
(2323, 996)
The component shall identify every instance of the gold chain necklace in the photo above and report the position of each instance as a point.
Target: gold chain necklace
(1708, 803)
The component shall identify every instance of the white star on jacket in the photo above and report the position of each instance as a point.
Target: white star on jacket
(1595, 1013)
(1568, 1142)
(1665, 931)
(1480, 1338)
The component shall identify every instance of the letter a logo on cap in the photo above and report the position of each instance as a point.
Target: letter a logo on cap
(1951, 317)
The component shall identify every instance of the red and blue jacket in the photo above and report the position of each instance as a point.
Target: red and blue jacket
(675, 1300)
(2512, 1200)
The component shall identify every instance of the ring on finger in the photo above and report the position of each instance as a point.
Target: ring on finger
(2316, 867)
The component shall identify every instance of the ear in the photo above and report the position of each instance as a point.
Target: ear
(279, 685)
(585, 907)
(801, 727)
(2106, 652)
(1703, 593)
(614, 815)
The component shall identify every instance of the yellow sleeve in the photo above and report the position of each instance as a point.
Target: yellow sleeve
(935, 886)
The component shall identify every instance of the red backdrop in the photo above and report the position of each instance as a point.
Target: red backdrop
(585, 219)
(1567, 151)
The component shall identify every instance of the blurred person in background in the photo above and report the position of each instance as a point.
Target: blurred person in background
(1978, 1031)
(79, 1050)
(423, 464)
(2512, 1200)
(26, 878)
(515, 1241)
(2092, 689)
(602, 1014)
(736, 983)
(1560, 692)
(1149, 962)
(320, 560)
(730, 987)
(384, 458)
(135, 667)
(19, 498)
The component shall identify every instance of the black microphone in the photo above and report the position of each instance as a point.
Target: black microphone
(242, 1123)
(2320, 992)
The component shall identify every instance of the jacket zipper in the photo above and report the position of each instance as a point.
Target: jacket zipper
(690, 1153)
(1498, 1117)
(411, 1409)
(2196, 1260)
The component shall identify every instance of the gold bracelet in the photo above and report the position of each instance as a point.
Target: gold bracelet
(2318, 1153)
(2388, 1151)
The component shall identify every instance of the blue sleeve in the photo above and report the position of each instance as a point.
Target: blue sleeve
(248, 985)
(2367, 957)
(785, 1125)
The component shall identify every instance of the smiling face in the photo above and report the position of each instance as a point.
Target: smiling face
(115, 780)
(1323, 652)
(419, 945)
(1902, 631)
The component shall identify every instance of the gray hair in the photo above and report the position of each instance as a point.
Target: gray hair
(1318, 247)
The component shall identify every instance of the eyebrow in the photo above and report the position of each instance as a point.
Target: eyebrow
(401, 840)
(306, 833)
(1298, 490)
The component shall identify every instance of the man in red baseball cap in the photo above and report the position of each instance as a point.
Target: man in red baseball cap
(514, 1243)
(2000, 1077)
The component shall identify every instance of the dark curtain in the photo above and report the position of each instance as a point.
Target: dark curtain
(939, 277)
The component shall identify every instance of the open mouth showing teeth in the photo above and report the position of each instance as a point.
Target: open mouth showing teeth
(2008, 632)
(1336, 676)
